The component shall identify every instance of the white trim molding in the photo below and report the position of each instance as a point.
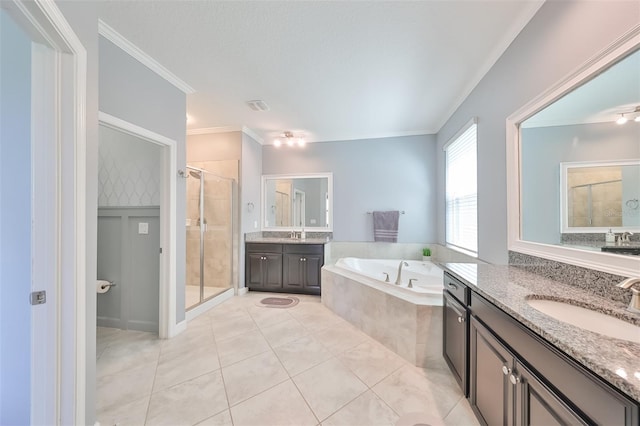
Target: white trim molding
(226, 129)
(601, 261)
(168, 213)
(134, 51)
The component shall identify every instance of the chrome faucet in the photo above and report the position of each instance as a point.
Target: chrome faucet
(624, 238)
(634, 305)
(399, 279)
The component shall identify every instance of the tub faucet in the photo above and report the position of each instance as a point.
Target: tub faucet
(399, 279)
(634, 305)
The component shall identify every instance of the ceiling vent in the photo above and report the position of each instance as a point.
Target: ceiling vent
(258, 105)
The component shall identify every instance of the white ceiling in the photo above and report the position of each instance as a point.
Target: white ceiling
(328, 70)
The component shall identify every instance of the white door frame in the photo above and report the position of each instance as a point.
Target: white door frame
(60, 361)
(167, 313)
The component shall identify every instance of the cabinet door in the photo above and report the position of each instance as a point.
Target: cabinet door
(455, 334)
(293, 269)
(312, 265)
(272, 270)
(253, 272)
(536, 404)
(491, 394)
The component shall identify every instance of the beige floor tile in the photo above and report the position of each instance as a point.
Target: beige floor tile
(367, 409)
(412, 389)
(302, 354)
(247, 378)
(241, 347)
(188, 403)
(461, 414)
(127, 414)
(185, 342)
(281, 405)
(222, 419)
(341, 338)
(371, 362)
(187, 366)
(284, 332)
(121, 388)
(117, 356)
(230, 327)
(328, 387)
(266, 317)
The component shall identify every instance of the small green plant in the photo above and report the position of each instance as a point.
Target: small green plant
(426, 252)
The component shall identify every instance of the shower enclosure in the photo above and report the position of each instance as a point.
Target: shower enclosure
(209, 228)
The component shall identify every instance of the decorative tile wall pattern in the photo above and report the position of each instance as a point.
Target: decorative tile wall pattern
(128, 170)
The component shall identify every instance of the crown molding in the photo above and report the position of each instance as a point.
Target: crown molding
(134, 51)
(227, 129)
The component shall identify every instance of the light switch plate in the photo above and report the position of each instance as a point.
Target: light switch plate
(143, 228)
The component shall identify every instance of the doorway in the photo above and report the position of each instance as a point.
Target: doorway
(129, 188)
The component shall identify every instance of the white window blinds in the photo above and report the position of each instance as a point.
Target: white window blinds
(462, 191)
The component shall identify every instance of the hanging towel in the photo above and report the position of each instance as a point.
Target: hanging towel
(385, 226)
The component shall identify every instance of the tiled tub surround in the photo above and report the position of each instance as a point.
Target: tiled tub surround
(508, 287)
(409, 325)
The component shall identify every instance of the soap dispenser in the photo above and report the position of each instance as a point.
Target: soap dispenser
(303, 235)
(610, 237)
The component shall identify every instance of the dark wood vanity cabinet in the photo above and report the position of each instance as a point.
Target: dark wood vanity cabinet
(503, 391)
(515, 377)
(301, 266)
(456, 330)
(291, 268)
(263, 269)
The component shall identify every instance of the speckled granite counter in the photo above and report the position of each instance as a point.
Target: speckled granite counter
(509, 287)
(276, 240)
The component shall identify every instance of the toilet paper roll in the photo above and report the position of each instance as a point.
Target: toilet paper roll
(103, 286)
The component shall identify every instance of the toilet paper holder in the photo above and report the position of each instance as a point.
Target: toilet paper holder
(108, 284)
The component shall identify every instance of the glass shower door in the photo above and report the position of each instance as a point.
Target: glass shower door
(209, 236)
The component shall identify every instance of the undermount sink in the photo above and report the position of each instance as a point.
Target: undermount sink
(587, 319)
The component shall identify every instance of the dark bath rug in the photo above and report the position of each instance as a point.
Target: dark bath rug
(279, 302)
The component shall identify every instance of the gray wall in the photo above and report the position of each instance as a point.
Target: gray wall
(377, 174)
(561, 37)
(544, 148)
(250, 173)
(129, 172)
(130, 260)
(132, 92)
(15, 226)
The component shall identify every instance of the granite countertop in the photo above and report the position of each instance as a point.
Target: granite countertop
(508, 287)
(275, 240)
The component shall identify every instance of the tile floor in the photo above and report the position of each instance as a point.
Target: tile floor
(241, 364)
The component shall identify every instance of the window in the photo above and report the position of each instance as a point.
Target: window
(461, 190)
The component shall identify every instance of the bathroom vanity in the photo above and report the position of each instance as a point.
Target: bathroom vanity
(284, 265)
(519, 366)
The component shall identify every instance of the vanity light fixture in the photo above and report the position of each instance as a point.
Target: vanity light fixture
(289, 139)
(623, 119)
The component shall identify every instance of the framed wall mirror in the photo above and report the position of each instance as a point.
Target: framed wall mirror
(596, 196)
(294, 202)
(569, 142)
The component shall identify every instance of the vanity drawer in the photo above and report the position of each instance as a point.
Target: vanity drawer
(304, 248)
(263, 248)
(456, 288)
